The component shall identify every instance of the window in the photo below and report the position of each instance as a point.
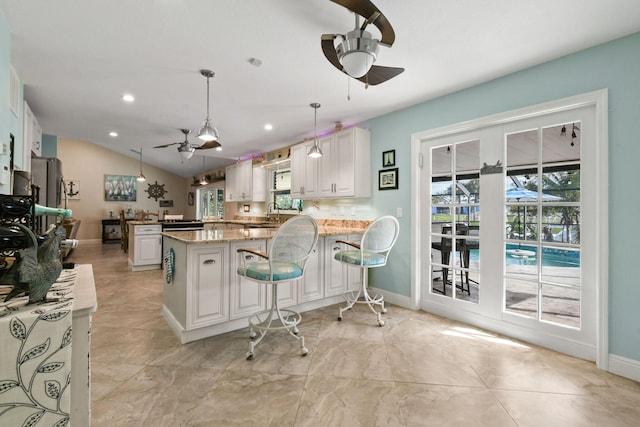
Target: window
(280, 186)
(210, 202)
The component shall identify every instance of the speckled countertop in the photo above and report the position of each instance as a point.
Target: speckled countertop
(221, 236)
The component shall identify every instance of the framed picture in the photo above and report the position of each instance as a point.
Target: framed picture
(120, 188)
(166, 203)
(73, 189)
(388, 158)
(190, 198)
(388, 179)
(246, 208)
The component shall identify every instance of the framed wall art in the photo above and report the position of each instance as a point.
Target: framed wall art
(190, 197)
(388, 179)
(120, 188)
(388, 158)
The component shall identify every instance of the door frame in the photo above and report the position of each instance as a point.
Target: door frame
(598, 100)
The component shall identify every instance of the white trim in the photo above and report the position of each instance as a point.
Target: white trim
(625, 367)
(397, 299)
(597, 99)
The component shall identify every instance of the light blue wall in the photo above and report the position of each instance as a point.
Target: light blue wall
(49, 146)
(614, 65)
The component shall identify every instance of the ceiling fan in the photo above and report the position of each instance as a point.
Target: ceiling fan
(186, 148)
(357, 51)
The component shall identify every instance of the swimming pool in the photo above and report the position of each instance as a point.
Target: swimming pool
(551, 257)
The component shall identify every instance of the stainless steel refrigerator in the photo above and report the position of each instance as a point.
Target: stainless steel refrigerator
(46, 173)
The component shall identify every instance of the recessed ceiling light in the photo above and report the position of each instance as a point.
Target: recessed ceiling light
(127, 97)
(268, 126)
(255, 62)
(113, 134)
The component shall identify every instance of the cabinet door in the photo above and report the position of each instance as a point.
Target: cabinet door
(312, 286)
(298, 166)
(207, 286)
(244, 181)
(335, 272)
(354, 274)
(148, 249)
(247, 297)
(259, 187)
(344, 163)
(230, 180)
(326, 178)
(27, 137)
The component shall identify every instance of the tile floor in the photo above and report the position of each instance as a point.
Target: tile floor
(417, 370)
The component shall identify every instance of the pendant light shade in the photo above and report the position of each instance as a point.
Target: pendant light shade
(315, 151)
(208, 132)
(141, 176)
(187, 151)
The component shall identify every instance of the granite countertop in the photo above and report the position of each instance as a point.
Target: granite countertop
(221, 236)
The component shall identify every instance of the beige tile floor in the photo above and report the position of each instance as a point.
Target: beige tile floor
(417, 370)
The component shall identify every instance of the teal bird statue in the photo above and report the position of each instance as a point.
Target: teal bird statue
(36, 268)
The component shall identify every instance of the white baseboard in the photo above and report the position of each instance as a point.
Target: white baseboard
(624, 367)
(390, 297)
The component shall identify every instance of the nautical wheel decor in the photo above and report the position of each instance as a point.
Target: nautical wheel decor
(156, 191)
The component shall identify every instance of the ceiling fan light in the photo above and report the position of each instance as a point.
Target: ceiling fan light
(141, 177)
(187, 152)
(208, 132)
(357, 53)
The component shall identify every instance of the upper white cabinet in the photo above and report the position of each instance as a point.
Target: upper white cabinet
(344, 170)
(304, 172)
(259, 187)
(239, 182)
(31, 138)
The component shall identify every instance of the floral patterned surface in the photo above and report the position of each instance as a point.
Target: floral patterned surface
(35, 360)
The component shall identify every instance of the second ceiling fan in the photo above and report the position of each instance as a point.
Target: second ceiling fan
(187, 149)
(358, 50)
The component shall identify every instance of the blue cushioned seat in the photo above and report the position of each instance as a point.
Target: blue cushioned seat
(262, 270)
(358, 258)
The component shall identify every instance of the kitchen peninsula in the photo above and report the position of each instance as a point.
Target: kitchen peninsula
(203, 295)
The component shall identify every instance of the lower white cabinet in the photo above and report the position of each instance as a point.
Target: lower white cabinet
(208, 291)
(311, 287)
(339, 277)
(145, 247)
(247, 297)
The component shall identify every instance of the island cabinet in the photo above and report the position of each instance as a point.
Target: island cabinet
(344, 170)
(204, 296)
(247, 297)
(338, 276)
(145, 246)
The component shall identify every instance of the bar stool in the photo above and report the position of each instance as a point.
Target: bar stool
(371, 252)
(290, 249)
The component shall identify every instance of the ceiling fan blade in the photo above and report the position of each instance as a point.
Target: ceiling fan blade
(379, 74)
(329, 50)
(368, 10)
(207, 145)
(166, 145)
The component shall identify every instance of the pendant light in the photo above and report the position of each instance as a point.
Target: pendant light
(315, 151)
(203, 180)
(141, 176)
(208, 132)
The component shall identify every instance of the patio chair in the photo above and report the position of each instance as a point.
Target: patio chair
(287, 257)
(371, 252)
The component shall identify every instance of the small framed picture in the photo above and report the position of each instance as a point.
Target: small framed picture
(388, 158)
(190, 197)
(166, 203)
(246, 208)
(388, 179)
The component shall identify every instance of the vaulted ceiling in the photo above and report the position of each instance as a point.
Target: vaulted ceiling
(77, 58)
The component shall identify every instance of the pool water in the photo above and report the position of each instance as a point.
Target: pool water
(551, 257)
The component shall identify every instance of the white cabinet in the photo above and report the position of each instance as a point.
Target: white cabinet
(239, 182)
(145, 247)
(259, 187)
(344, 170)
(247, 297)
(31, 137)
(304, 172)
(339, 277)
(207, 301)
(311, 287)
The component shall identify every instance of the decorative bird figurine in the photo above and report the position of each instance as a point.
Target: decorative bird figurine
(36, 267)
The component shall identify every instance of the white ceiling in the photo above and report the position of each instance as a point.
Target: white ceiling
(77, 57)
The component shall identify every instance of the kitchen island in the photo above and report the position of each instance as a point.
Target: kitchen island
(203, 295)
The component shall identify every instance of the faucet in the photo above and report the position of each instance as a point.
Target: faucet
(270, 208)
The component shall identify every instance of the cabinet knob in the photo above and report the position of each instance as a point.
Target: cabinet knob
(209, 261)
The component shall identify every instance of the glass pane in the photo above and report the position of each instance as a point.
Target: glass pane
(282, 179)
(440, 215)
(441, 160)
(521, 261)
(561, 143)
(561, 184)
(561, 265)
(468, 190)
(441, 191)
(561, 305)
(522, 148)
(521, 297)
(522, 222)
(561, 224)
(467, 157)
